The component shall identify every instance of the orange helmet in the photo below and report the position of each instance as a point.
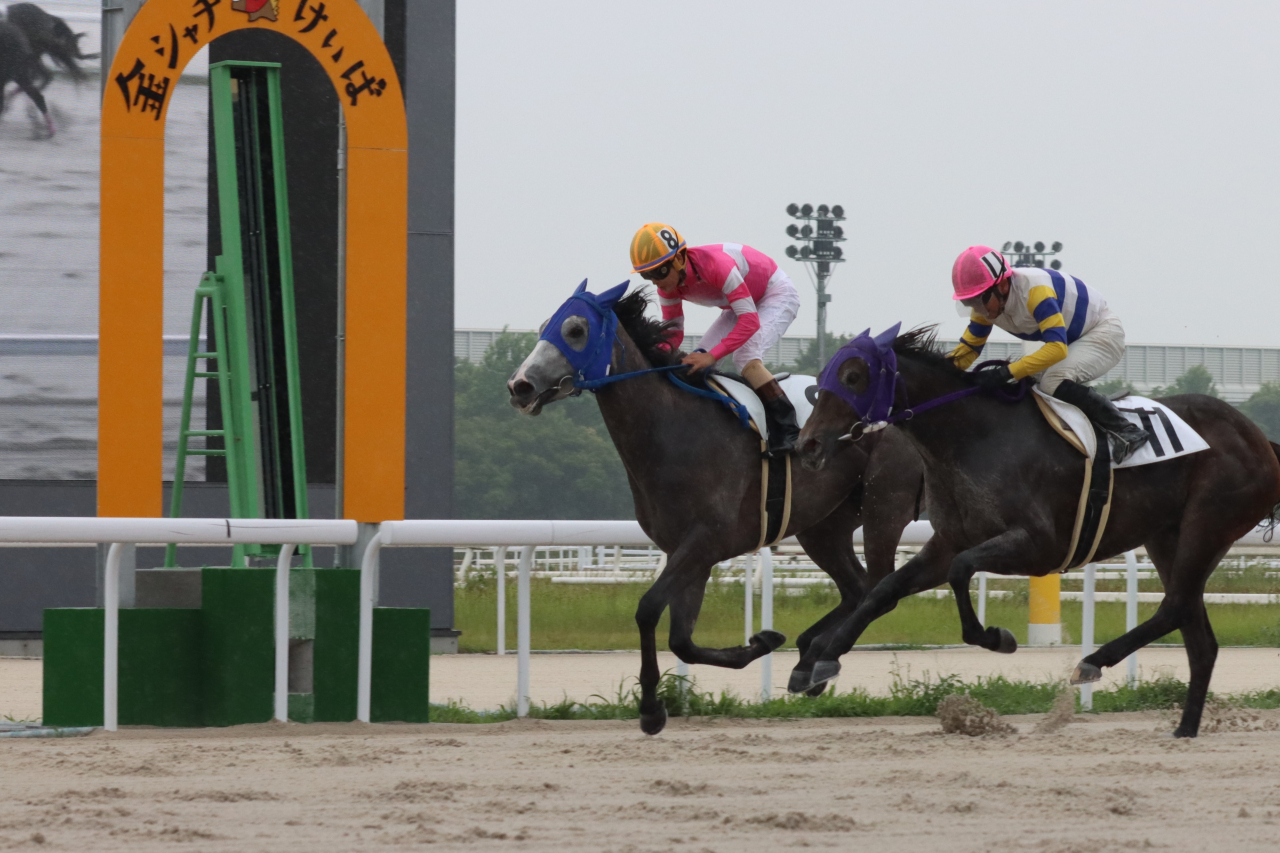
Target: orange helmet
(654, 245)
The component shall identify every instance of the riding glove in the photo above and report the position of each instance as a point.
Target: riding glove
(993, 376)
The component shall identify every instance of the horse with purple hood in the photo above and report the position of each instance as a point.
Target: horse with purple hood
(695, 476)
(1003, 493)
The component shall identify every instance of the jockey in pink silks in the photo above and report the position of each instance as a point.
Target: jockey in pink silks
(758, 302)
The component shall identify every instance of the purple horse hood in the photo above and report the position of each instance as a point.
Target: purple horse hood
(874, 405)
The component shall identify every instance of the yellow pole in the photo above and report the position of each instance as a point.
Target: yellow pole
(1045, 624)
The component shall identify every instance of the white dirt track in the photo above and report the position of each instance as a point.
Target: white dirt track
(1114, 782)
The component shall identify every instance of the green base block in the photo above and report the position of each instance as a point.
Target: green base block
(238, 645)
(216, 666)
(159, 674)
(337, 648)
(401, 690)
(302, 707)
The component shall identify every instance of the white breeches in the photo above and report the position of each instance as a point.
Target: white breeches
(776, 309)
(1090, 357)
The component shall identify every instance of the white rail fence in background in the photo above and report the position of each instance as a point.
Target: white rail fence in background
(529, 536)
(526, 535)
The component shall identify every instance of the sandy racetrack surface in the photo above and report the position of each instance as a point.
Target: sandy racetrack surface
(1106, 783)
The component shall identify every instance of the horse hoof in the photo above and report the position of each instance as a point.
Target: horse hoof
(816, 690)
(1006, 645)
(801, 681)
(771, 640)
(1185, 731)
(653, 723)
(1086, 673)
(824, 671)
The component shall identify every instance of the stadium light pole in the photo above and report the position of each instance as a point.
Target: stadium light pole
(1032, 254)
(1044, 618)
(818, 237)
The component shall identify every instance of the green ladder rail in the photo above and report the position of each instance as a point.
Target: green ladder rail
(246, 309)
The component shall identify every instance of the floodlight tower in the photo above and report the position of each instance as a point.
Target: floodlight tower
(819, 248)
(1028, 255)
(1044, 622)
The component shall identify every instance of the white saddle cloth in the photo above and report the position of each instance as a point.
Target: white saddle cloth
(793, 386)
(1171, 436)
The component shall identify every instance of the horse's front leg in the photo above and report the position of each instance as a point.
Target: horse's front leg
(686, 603)
(1010, 553)
(829, 543)
(681, 569)
(925, 570)
(653, 714)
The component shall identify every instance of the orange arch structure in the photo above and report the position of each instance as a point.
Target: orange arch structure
(164, 35)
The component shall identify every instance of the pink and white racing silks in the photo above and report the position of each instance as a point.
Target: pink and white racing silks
(738, 279)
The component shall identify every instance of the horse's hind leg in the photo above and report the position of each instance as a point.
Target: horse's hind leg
(1184, 563)
(1202, 654)
(830, 544)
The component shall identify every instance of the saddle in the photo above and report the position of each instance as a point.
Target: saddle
(1171, 437)
(775, 474)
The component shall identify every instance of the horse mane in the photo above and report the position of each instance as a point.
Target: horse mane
(921, 344)
(648, 333)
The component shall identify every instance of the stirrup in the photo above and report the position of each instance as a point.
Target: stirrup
(1122, 446)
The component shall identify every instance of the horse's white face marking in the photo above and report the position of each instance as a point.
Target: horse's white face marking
(545, 369)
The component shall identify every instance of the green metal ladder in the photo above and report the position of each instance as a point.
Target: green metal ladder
(246, 309)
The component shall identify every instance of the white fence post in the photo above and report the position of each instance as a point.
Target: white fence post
(522, 631)
(283, 563)
(748, 569)
(111, 637)
(1131, 611)
(467, 556)
(1086, 632)
(766, 620)
(982, 598)
(364, 661)
(500, 561)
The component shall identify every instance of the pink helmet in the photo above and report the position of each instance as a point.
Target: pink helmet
(977, 268)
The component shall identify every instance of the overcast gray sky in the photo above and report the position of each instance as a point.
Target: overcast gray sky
(1144, 136)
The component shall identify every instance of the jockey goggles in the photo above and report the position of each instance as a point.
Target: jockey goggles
(981, 299)
(657, 273)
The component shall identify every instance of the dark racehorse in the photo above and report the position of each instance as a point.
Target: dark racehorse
(49, 36)
(18, 64)
(1003, 490)
(695, 477)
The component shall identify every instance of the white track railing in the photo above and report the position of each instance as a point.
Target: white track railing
(528, 535)
(502, 534)
(122, 532)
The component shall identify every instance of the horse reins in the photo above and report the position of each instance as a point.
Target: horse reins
(908, 412)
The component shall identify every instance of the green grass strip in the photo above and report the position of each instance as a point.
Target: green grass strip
(908, 697)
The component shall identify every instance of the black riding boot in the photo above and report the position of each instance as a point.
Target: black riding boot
(781, 415)
(1125, 437)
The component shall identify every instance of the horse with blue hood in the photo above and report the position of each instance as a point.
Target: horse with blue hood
(695, 477)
